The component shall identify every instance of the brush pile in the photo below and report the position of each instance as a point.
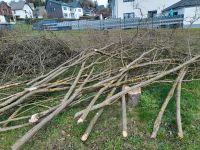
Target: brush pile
(33, 55)
(111, 72)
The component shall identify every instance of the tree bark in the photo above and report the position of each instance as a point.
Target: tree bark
(168, 98)
(178, 107)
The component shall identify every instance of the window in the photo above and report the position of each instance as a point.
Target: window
(128, 0)
(4, 11)
(175, 13)
(65, 8)
(65, 15)
(129, 15)
(72, 15)
(52, 9)
(79, 10)
(152, 13)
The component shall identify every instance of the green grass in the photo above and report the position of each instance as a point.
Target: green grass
(63, 132)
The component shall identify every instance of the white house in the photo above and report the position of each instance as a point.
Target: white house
(189, 8)
(72, 10)
(21, 9)
(66, 10)
(122, 8)
(59, 9)
(76, 9)
(137, 8)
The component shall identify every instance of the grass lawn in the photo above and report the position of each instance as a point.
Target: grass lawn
(63, 132)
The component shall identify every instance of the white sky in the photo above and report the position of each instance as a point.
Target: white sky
(102, 2)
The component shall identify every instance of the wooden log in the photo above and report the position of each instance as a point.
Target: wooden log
(124, 117)
(87, 110)
(24, 97)
(78, 114)
(133, 96)
(108, 101)
(9, 85)
(36, 117)
(178, 106)
(95, 118)
(75, 83)
(14, 127)
(15, 119)
(12, 116)
(43, 122)
(91, 125)
(13, 98)
(147, 82)
(168, 98)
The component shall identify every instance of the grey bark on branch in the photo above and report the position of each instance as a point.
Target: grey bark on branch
(168, 98)
(178, 106)
(43, 122)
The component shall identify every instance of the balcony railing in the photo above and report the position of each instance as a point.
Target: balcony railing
(156, 22)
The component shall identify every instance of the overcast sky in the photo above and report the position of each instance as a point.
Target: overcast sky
(102, 2)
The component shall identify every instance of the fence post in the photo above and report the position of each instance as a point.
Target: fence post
(124, 22)
(103, 24)
(78, 26)
(121, 23)
(100, 24)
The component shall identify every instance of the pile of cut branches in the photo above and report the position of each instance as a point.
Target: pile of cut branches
(113, 72)
(33, 55)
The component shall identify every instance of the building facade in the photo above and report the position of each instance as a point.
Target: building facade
(189, 8)
(137, 8)
(58, 9)
(5, 10)
(21, 10)
(122, 8)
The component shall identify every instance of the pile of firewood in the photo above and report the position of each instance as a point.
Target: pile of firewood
(115, 71)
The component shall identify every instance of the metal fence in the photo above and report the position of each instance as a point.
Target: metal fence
(163, 21)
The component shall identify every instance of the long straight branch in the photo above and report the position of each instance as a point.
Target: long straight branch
(124, 117)
(87, 110)
(95, 118)
(145, 83)
(178, 107)
(43, 122)
(168, 98)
